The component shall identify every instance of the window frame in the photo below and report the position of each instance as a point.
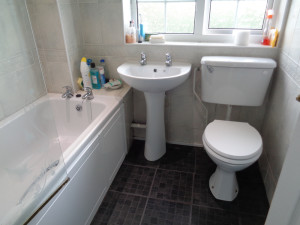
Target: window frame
(207, 31)
(165, 13)
(201, 31)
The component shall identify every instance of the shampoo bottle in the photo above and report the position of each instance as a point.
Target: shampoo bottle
(95, 77)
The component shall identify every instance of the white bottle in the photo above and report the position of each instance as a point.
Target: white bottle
(85, 73)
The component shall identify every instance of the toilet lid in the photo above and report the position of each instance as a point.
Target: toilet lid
(234, 140)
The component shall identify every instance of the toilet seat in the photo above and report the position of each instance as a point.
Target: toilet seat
(235, 142)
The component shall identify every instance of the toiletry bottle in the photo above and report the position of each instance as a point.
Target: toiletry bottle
(131, 33)
(85, 73)
(267, 27)
(142, 33)
(102, 64)
(95, 77)
(105, 73)
(88, 62)
(102, 77)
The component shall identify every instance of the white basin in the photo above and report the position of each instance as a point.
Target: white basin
(154, 79)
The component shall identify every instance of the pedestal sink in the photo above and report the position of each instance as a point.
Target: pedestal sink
(154, 79)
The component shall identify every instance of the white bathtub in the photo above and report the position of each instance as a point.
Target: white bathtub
(88, 146)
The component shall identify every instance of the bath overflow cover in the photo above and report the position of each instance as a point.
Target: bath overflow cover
(78, 107)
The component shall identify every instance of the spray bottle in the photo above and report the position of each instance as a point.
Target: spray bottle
(267, 27)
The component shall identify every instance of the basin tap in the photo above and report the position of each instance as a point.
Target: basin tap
(89, 94)
(69, 92)
(143, 59)
(168, 59)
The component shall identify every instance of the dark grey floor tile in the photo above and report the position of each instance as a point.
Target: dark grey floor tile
(210, 216)
(160, 212)
(250, 174)
(136, 156)
(172, 185)
(204, 165)
(202, 196)
(252, 198)
(119, 208)
(179, 158)
(246, 219)
(134, 180)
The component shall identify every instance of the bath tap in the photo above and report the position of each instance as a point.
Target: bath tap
(143, 59)
(168, 59)
(89, 94)
(69, 92)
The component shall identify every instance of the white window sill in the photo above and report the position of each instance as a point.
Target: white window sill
(200, 44)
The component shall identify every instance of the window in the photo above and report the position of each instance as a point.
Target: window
(223, 16)
(230, 14)
(202, 20)
(167, 16)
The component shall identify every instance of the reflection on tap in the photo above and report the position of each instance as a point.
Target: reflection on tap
(143, 59)
(89, 94)
(69, 92)
(168, 59)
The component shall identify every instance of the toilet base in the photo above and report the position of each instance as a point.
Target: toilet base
(223, 185)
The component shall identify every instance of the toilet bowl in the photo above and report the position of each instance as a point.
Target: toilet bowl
(233, 146)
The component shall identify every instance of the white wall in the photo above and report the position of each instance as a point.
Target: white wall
(46, 24)
(94, 29)
(103, 38)
(21, 80)
(71, 26)
(282, 107)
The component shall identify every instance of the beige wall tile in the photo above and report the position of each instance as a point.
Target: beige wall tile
(49, 26)
(91, 23)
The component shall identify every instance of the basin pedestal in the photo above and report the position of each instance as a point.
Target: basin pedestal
(155, 146)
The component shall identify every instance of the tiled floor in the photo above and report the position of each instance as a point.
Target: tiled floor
(174, 190)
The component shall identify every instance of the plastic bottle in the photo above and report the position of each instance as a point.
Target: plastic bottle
(102, 77)
(267, 27)
(142, 33)
(88, 62)
(103, 73)
(95, 77)
(131, 33)
(85, 73)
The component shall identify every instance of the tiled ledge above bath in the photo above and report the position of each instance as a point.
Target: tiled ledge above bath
(118, 93)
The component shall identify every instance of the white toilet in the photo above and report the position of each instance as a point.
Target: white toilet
(233, 146)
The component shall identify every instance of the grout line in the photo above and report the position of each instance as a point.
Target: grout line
(149, 167)
(192, 200)
(155, 198)
(127, 193)
(175, 171)
(129, 164)
(148, 197)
